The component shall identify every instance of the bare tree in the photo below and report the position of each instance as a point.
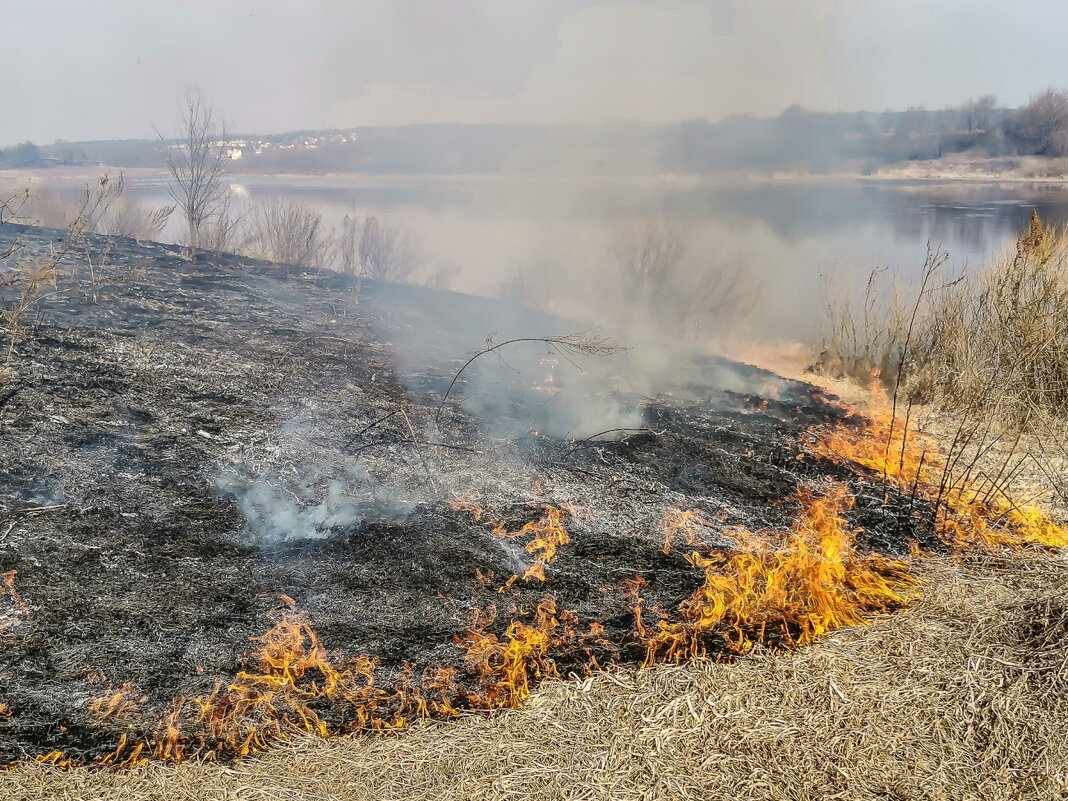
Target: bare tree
(347, 247)
(1041, 127)
(977, 113)
(693, 296)
(195, 160)
(649, 255)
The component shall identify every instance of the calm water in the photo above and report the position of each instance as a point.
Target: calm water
(556, 243)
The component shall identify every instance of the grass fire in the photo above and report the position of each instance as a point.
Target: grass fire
(389, 545)
(580, 401)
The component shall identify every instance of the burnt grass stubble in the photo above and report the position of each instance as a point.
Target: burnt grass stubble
(130, 397)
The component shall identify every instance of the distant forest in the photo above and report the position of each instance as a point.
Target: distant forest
(797, 139)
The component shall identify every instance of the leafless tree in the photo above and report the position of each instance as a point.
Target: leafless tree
(649, 254)
(692, 296)
(977, 113)
(195, 160)
(347, 247)
(1041, 127)
(384, 251)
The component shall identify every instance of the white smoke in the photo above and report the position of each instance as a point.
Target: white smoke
(273, 514)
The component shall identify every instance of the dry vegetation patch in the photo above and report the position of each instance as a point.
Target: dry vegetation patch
(961, 696)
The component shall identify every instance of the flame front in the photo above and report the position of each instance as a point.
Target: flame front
(964, 515)
(779, 588)
(287, 687)
(782, 590)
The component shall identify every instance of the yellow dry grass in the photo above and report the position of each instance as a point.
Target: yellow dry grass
(963, 696)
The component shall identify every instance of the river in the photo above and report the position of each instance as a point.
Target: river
(556, 243)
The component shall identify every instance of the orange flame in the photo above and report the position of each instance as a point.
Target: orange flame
(965, 515)
(119, 704)
(546, 535)
(288, 678)
(776, 588)
(789, 590)
(685, 522)
(507, 665)
(20, 611)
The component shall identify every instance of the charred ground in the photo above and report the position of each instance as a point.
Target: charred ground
(183, 443)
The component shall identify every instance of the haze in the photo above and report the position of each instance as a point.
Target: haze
(115, 69)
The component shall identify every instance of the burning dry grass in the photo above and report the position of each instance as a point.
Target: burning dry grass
(965, 512)
(782, 590)
(964, 695)
(543, 537)
(772, 588)
(287, 683)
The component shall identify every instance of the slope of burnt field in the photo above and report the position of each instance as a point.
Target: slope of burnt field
(187, 447)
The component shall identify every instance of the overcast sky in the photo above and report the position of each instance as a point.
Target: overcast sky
(96, 69)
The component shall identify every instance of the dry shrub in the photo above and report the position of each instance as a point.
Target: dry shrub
(999, 337)
(129, 218)
(287, 233)
(963, 696)
(118, 215)
(691, 297)
(864, 329)
(27, 281)
(370, 247)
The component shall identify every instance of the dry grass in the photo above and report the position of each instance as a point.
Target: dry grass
(964, 696)
(1004, 328)
(988, 342)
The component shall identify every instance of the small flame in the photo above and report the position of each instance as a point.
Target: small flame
(682, 522)
(19, 611)
(546, 535)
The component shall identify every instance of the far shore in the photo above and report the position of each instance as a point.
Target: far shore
(949, 170)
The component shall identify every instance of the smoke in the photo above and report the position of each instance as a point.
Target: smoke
(275, 515)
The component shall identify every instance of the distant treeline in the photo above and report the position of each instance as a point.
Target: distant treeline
(797, 139)
(819, 142)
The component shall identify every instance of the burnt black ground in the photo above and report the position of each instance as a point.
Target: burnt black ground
(145, 410)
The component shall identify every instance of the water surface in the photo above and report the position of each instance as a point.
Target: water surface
(555, 243)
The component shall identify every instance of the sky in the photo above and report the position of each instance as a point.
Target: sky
(113, 69)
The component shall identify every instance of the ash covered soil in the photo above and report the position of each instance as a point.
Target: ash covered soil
(186, 442)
